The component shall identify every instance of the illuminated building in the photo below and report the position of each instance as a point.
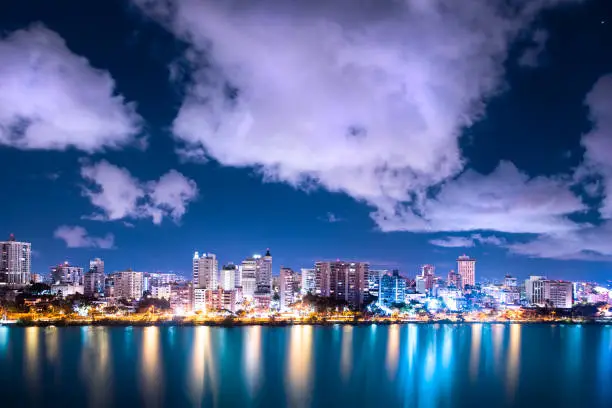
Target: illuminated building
(36, 278)
(288, 287)
(559, 293)
(97, 265)
(428, 274)
(534, 290)
(262, 300)
(181, 297)
(248, 278)
(199, 299)
(93, 283)
(374, 276)
(453, 298)
(392, 289)
(227, 279)
(466, 268)
(420, 285)
(263, 273)
(205, 271)
(308, 281)
(128, 284)
(15, 262)
(161, 291)
(219, 299)
(67, 274)
(342, 280)
(510, 282)
(454, 280)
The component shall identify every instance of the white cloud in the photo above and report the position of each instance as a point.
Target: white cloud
(505, 200)
(466, 242)
(119, 195)
(77, 237)
(369, 100)
(51, 98)
(332, 218)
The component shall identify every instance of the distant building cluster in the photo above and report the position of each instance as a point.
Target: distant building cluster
(252, 286)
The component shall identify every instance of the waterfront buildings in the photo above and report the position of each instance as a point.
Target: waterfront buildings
(559, 294)
(205, 271)
(263, 273)
(93, 283)
(534, 290)
(466, 268)
(374, 276)
(67, 274)
(181, 297)
(308, 281)
(288, 289)
(249, 276)
(454, 280)
(15, 262)
(342, 281)
(227, 278)
(392, 289)
(128, 284)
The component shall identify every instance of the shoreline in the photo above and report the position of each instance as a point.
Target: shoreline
(171, 323)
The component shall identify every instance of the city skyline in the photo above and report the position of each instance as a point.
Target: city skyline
(502, 155)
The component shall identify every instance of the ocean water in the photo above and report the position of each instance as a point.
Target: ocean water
(414, 365)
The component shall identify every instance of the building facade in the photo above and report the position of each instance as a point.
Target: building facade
(534, 290)
(308, 281)
(67, 274)
(466, 268)
(128, 284)
(340, 280)
(205, 271)
(15, 262)
(559, 293)
(93, 283)
(227, 278)
(392, 289)
(288, 288)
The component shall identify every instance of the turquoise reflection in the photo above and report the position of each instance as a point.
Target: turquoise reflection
(393, 344)
(252, 358)
(299, 366)
(4, 340)
(346, 352)
(513, 361)
(95, 365)
(52, 344)
(151, 367)
(475, 350)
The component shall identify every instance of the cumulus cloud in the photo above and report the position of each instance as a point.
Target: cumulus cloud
(78, 237)
(119, 195)
(51, 98)
(505, 200)
(369, 100)
(466, 242)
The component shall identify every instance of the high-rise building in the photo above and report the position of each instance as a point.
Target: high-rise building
(97, 265)
(342, 280)
(420, 285)
(374, 276)
(428, 272)
(454, 280)
(205, 271)
(93, 283)
(308, 281)
(128, 284)
(466, 267)
(559, 293)
(288, 287)
(227, 278)
(392, 289)
(248, 278)
(15, 262)
(67, 274)
(534, 290)
(263, 275)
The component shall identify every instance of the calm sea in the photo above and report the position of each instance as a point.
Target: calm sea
(477, 365)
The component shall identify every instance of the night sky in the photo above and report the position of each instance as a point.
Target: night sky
(395, 132)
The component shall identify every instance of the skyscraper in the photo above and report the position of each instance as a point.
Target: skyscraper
(248, 278)
(15, 261)
(288, 287)
(263, 274)
(342, 280)
(227, 279)
(466, 268)
(205, 271)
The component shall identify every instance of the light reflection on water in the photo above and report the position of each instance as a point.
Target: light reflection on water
(422, 366)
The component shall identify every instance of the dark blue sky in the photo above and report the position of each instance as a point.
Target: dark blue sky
(519, 100)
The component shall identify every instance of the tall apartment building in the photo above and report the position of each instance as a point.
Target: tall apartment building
(308, 281)
(466, 268)
(249, 277)
(534, 290)
(392, 289)
(97, 265)
(67, 274)
(227, 279)
(289, 283)
(342, 280)
(128, 284)
(93, 283)
(263, 274)
(15, 262)
(428, 273)
(205, 271)
(559, 293)
(454, 280)
(374, 276)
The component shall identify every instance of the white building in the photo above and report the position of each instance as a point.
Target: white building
(199, 300)
(466, 268)
(288, 287)
(534, 290)
(161, 291)
(15, 262)
(308, 281)
(227, 279)
(97, 265)
(205, 271)
(66, 273)
(128, 284)
(249, 281)
(559, 293)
